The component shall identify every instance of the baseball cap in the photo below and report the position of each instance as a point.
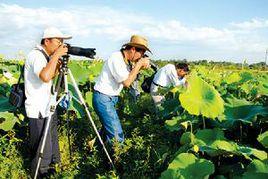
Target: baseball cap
(53, 32)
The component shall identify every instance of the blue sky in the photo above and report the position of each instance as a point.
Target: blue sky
(195, 30)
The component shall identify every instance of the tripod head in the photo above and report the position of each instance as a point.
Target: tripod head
(64, 63)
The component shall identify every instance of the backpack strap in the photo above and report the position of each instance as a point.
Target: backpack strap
(21, 76)
(22, 69)
(44, 53)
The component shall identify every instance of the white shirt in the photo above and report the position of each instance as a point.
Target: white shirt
(113, 73)
(37, 92)
(167, 76)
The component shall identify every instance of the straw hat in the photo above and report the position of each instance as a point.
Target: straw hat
(139, 42)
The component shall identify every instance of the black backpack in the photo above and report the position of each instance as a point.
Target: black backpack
(17, 95)
(146, 84)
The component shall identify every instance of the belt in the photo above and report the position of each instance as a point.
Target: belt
(157, 84)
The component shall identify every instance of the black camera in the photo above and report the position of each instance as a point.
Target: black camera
(86, 52)
(153, 65)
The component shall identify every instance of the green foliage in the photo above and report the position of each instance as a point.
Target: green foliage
(156, 145)
(263, 139)
(257, 169)
(186, 165)
(241, 110)
(213, 142)
(7, 121)
(201, 99)
(234, 77)
(11, 161)
(5, 105)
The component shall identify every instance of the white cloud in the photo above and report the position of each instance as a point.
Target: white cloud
(21, 27)
(252, 24)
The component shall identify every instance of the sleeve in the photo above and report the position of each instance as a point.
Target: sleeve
(118, 68)
(38, 63)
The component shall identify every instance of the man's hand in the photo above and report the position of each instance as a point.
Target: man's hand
(61, 51)
(186, 84)
(144, 62)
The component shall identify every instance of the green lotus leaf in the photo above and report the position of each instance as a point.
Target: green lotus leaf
(248, 87)
(169, 107)
(214, 78)
(5, 105)
(257, 169)
(88, 98)
(7, 121)
(173, 124)
(77, 107)
(263, 89)
(232, 169)
(253, 175)
(246, 76)
(234, 77)
(188, 166)
(248, 152)
(210, 135)
(263, 139)
(81, 72)
(213, 142)
(189, 138)
(258, 166)
(201, 98)
(263, 85)
(217, 144)
(241, 110)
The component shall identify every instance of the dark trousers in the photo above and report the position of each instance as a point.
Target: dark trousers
(51, 152)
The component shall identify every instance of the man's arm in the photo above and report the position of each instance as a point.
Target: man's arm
(48, 72)
(142, 63)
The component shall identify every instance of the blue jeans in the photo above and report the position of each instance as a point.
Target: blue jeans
(104, 105)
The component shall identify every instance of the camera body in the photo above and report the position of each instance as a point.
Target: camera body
(79, 51)
(153, 65)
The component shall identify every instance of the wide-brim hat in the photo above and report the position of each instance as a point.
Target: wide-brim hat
(53, 32)
(139, 42)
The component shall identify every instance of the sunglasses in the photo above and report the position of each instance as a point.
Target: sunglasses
(141, 50)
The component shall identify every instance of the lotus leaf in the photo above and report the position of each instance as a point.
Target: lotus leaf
(188, 166)
(201, 99)
(7, 121)
(263, 139)
(241, 110)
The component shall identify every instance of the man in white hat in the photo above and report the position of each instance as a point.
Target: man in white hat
(116, 74)
(41, 66)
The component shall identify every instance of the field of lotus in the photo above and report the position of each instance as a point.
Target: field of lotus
(217, 127)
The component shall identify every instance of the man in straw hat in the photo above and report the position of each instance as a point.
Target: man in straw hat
(41, 65)
(115, 75)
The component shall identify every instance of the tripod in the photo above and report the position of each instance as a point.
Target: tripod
(64, 71)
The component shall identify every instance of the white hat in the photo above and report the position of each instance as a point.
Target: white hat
(53, 32)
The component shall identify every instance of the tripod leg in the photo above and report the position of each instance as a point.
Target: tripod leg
(68, 134)
(89, 117)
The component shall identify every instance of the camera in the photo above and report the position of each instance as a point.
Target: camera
(153, 65)
(79, 51)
